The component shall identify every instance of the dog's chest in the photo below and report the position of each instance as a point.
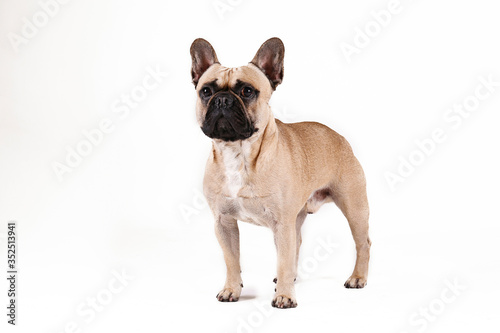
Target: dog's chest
(235, 200)
(252, 210)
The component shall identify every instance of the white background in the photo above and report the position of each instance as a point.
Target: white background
(132, 204)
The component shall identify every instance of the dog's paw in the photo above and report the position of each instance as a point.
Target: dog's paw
(355, 282)
(229, 294)
(284, 302)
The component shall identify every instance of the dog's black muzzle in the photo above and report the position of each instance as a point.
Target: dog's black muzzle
(226, 119)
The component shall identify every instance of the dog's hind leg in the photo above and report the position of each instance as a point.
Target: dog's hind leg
(350, 196)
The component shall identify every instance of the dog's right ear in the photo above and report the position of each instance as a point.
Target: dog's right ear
(203, 56)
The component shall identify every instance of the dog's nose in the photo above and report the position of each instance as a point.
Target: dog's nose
(224, 100)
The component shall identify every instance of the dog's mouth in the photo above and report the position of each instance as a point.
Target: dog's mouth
(227, 123)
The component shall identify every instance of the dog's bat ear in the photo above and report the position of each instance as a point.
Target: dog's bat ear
(203, 56)
(269, 59)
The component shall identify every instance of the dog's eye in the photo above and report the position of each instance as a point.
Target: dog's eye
(246, 92)
(206, 92)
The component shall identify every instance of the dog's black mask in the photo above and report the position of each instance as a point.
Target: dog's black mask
(226, 118)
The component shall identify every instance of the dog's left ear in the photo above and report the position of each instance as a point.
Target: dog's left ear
(203, 56)
(269, 59)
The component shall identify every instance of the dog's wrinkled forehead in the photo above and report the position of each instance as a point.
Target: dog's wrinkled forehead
(227, 77)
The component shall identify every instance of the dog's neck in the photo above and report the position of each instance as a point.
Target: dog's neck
(248, 150)
(240, 158)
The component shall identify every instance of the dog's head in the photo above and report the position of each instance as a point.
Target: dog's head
(233, 102)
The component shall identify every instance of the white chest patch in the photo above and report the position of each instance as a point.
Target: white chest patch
(234, 164)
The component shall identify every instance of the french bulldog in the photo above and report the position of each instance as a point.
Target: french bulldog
(270, 173)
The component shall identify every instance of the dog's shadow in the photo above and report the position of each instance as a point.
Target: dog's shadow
(247, 297)
(248, 294)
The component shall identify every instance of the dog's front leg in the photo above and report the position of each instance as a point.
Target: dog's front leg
(226, 230)
(285, 237)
